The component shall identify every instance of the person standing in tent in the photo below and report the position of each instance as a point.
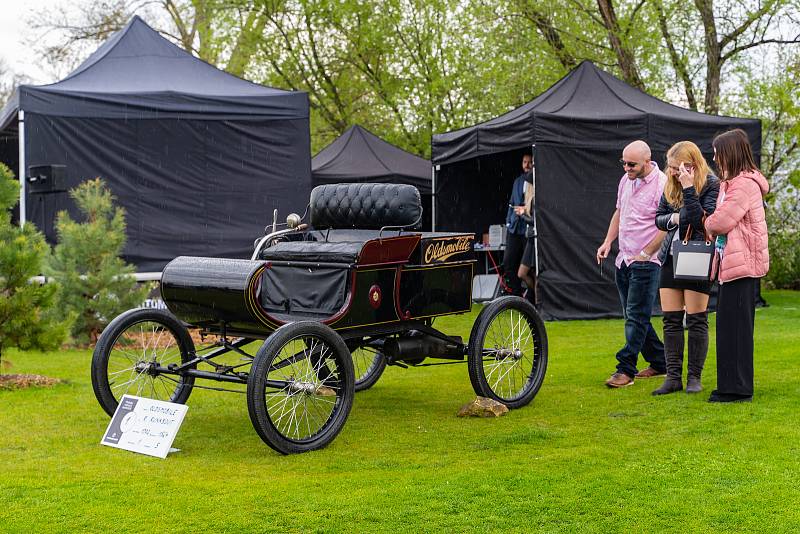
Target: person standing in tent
(515, 229)
(637, 264)
(527, 266)
(690, 194)
(740, 227)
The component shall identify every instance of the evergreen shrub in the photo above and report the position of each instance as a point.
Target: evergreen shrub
(30, 315)
(95, 283)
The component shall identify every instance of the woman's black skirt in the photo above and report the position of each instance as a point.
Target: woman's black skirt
(668, 280)
(529, 256)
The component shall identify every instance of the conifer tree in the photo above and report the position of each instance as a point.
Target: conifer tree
(95, 283)
(29, 316)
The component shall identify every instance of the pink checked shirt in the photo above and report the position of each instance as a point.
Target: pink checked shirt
(637, 201)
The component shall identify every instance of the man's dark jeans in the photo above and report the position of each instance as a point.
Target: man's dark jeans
(637, 284)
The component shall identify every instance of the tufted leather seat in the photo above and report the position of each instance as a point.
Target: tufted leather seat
(366, 206)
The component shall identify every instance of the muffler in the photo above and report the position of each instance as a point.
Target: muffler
(414, 347)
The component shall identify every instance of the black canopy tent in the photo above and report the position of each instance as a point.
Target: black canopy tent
(358, 155)
(198, 158)
(577, 130)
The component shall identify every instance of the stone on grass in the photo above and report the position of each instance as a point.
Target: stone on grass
(483, 407)
(325, 391)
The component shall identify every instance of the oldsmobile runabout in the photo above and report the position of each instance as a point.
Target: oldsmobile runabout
(317, 313)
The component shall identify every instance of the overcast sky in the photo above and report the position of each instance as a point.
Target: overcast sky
(13, 29)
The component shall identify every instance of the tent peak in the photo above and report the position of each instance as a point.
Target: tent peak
(136, 37)
(359, 155)
(587, 95)
(137, 59)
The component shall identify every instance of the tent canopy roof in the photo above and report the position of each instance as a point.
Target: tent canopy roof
(137, 73)
(586, 94)
(360, 155)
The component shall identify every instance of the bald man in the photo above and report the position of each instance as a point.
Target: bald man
(637, 263)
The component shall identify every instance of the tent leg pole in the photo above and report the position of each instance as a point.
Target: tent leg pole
(533, 211)
(21, 175)
(433, 198)
(535, 231)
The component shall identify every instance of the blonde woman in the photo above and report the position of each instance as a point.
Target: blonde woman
(689, 195)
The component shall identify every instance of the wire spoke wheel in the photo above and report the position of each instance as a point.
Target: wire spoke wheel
(508, 352)
(368, 366)
(300, 389)
(131, 350)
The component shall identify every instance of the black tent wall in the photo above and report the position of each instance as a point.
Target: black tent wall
(199, 158)
(473, 194)
(193, 187)
(9, 156)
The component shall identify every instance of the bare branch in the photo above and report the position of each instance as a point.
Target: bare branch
(678, 62)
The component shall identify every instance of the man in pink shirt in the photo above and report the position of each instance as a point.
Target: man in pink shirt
(638, 267)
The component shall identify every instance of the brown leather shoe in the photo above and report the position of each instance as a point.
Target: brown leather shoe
(619, 380)
(650, 373)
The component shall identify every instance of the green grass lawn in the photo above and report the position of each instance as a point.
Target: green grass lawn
(579, 458)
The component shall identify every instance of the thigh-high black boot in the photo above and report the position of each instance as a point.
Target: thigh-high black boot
(697, 324)
(673, 353)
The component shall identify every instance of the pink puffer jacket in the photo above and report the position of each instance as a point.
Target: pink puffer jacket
(740, 216)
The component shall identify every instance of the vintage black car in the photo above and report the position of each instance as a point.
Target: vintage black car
(335, 301)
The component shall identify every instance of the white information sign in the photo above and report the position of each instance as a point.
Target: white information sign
(146, 426)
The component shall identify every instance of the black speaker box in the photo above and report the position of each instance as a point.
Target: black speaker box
(47, 178)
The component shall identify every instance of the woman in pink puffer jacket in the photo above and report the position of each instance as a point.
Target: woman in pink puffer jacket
(740, 227)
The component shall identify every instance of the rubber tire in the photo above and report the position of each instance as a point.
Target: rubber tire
(256, 386)
(475, 359)
(100, 385)
(370, 380)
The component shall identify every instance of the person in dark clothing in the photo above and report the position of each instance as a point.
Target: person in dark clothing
(689, 195)
(527, 266)
(515, 229)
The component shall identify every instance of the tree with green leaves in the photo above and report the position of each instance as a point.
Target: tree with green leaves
(221, 32)
(95, 283)
(30, 315)
(772, 95)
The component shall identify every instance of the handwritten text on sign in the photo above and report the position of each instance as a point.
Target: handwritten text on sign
(146, 426)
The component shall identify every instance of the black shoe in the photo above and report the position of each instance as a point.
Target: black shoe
(670, 385)
(693, 384)
(729, 397)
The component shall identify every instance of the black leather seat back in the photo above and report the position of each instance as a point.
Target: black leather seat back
(367, 206)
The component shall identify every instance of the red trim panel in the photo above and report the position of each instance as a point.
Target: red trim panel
(388, 250)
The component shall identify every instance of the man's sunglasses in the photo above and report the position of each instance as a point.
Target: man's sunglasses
(628, 163)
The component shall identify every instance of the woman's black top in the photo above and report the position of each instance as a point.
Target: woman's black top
(690, 213)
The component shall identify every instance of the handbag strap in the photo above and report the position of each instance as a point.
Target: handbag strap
(705, 233)
(688, 234)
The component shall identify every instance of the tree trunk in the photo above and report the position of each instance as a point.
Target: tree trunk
(713, 55)
(713, 72)
(551, 35)
(625, 58)
(247, 42)
(678, 62)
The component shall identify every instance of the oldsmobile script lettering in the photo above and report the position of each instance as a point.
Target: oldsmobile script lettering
(442, 250)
